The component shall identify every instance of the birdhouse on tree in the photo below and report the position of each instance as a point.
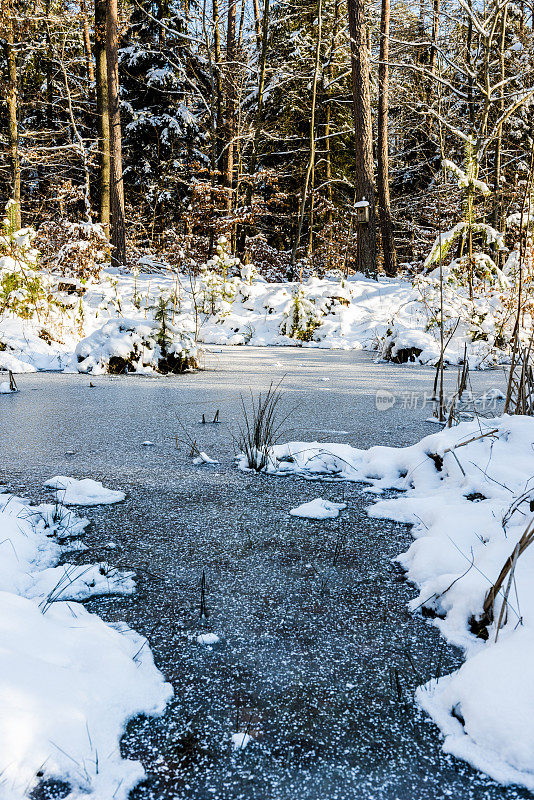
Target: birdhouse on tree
(361, 212)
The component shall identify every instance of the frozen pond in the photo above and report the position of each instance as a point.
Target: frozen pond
(318, 657)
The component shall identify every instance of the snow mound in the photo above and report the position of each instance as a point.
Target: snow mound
(10, 362)
(132, 345)
(493, 693)
(69, 682)
(68, 685)
(318, 509)
(85, 492)
(204, 458)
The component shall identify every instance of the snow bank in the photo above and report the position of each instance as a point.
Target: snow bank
(139, 323)
(130, 345)
(468, 492)
(69, 682)
(68, 685)
(86, 492)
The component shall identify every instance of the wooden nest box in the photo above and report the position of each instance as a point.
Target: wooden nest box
(361, 212)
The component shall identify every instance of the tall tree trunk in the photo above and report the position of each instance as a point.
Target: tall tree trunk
(384, 208)
(49, 90)
(87, 47)
(363, 130)
(102, 113)
(241, 21)
(118, 233)
(329, 74)
(433, 57)
(257, 122)
(498, 216)
(12, 109)
(257, 27)
(230, 111)
(217, 49)
(311, 159)
(469, 61)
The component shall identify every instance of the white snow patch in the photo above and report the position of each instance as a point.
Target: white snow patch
(318, 509)
(240, 740)
(203, 458)
(207, 638)
(85, 492)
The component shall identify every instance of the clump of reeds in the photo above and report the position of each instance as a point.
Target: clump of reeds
(261, 426)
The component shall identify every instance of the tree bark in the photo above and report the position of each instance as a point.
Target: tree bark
(363, 131)
(230, 106)
(328, 78)
(257, 122)
(498, 216)
(384, 208)
(12, 110)
(87, 47)
(118, 232)
(432, 57)
(257, 27)
(217, 49)
(102, 113)
(311, 161)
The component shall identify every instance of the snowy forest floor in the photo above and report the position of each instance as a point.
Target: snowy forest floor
(319, 667)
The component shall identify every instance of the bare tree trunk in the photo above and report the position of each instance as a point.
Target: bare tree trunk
(241, 21)
(12, 110)
(102, 113)
(498, 220)
(363, 130)
(257, 27)
(257, 122)
(329, 74)
(309, 251)
(80, 145)
(433, 57)
(118, 232)
(469, 61)
(230, 106)
(217, 48)
(87, 47)
(311, 160)
(384, 208)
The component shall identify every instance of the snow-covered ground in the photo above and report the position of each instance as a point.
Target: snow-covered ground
(468, 492)
(120, 316)
(69, 682)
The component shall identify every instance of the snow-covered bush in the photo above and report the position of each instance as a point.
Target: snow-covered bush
(301, 318)
(223, 261)
(73, 249)
(24, 292)
(444, 242)
(217, 279)
(131, 345)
